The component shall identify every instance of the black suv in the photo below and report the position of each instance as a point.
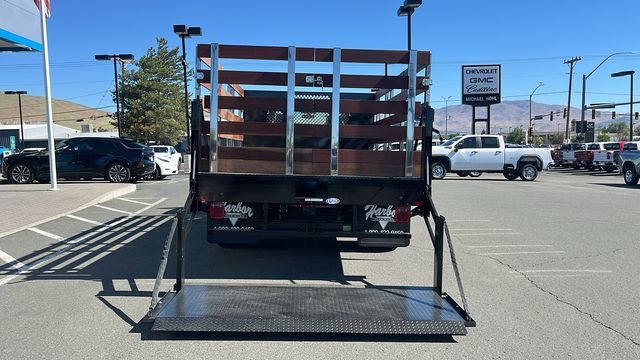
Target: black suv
(114, 159)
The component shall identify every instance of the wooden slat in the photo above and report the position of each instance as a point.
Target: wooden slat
(311, 54)
(382, 132)
(280, 79)
(305, 105)
(316, 162)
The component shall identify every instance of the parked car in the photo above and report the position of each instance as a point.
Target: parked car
(114, 159)
(630, 145)
(630, 163)
(584, 157)
(568, 154)
(4, 152)
(605, 159)
(167, 161)
(488, 153)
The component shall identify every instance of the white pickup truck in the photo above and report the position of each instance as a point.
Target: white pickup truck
(487, 153)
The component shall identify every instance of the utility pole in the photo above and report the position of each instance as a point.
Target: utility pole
(572, 63)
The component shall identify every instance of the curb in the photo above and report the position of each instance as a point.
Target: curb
(100, 199)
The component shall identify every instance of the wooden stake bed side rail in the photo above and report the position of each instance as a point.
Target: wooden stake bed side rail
(280, 79)
(261, 160)
(312, 54)
(320, 125)
(304, 105)
(376, 133)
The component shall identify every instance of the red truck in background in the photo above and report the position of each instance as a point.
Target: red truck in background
(584, 157)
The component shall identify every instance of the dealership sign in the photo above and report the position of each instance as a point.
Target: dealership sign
(481, 85)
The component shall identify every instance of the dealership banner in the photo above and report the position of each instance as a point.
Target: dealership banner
(20, 25)
(481, 85)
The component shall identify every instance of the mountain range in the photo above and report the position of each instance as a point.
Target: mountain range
(516, 113)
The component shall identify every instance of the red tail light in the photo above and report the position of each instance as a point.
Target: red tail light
(419, 203)
(216, 210)
(403, 214)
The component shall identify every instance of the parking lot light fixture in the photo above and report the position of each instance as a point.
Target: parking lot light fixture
(540, 84)
(630, 74)
(407, 9)
(184, 31)
(116, 57)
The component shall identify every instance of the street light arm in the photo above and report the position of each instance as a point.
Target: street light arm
(607, 58)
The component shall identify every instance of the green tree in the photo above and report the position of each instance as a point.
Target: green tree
(517, 136)
(153, 96)
(636, 130)
(452, 135)
(539, 140)
(556, 138)
(619, 128)
(603, 137)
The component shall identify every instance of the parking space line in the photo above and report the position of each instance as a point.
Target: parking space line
(89, 221)
(522, 253)
(133, 201)
(70, 244)
(112, 209)
(452, 221)
(505, 246)
(480, 229)
(11, 260)
(481, 234)
(47, 234)
(562, 271)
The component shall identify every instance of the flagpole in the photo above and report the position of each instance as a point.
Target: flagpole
(47, 97)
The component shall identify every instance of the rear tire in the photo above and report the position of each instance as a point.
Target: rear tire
(438, 171)
(528, 172)
(118, 173)
(630, 175)
(21, 174)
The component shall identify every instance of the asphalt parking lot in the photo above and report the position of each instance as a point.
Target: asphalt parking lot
(550, 270)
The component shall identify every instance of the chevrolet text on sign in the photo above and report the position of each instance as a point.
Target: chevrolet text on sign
(480, 84)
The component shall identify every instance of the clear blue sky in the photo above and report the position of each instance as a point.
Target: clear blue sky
(529, 38)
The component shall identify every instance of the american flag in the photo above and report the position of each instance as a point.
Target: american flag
(47, 6)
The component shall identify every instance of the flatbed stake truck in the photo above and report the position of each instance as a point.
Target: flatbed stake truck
(296, 160)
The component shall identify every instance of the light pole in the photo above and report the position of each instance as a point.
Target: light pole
(186, 32)
(630, 74)
(407, 9)
(19, 93)
(530, 114)
(446, 116)
(116, 57)
(585, 77)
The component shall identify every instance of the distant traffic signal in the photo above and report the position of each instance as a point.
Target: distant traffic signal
(593, 113)
(613, 114)
(637, 115)
(564, 113)
(551, 116)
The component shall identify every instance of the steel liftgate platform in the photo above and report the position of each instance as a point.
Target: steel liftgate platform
(298, 309)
